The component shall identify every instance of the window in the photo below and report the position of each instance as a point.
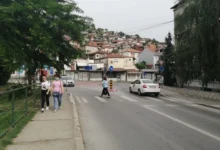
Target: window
(147, 81)
(97, 55)
(137, 82)
(129, 59)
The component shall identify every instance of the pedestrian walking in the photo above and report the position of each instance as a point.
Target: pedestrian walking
(105, 87)
(161, 82)
(58, 90)
(45, 85)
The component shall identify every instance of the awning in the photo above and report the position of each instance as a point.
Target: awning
(81, 64)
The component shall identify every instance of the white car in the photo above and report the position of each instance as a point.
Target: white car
(144, 86)
(68, 81)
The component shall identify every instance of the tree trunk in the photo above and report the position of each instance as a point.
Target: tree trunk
(29, 77)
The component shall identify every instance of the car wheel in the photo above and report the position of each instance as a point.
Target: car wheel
(139, 92)
(130, 90)
(156, 94)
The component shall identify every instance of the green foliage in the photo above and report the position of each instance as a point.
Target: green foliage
(36, 32)
(197, 41)
(115, 51)
(5, 72)
(168, 57)
(141, 65)
(121, 34)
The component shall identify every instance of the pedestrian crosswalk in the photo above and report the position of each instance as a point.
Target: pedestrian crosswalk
(149, 101)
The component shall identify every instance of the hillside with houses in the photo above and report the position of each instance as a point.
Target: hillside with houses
(123, 52)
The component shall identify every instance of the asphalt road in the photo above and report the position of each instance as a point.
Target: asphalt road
(130, 122)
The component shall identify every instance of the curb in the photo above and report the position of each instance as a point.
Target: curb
(210, 106)
(78, 138)
(205, 105)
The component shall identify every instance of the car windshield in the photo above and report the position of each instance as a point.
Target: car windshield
(66, 78)
(147, 81)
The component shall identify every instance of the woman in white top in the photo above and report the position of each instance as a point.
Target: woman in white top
(44, 94)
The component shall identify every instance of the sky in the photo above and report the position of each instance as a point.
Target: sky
(131, 16)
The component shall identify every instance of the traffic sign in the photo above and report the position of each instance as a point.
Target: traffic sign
(111, 68)
(88, 67)
(161, 68)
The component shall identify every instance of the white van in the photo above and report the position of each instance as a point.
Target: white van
(68, 81)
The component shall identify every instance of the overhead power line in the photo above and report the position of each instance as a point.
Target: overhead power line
(154, 26)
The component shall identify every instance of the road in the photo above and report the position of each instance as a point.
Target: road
(130, 122)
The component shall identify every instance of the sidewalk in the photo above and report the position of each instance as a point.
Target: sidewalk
(205, 102)
(48, 130)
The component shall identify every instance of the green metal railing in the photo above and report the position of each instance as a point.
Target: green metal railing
(15, 104)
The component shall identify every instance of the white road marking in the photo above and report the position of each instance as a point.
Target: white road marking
(176, 100)
(71, 99)
(172, 105)
(184, 123)
(84, 100)
(101, 99)
(149, 105)
(154, 99)
(206, 108)
(129, 99)
(78, 99)
(169, 99)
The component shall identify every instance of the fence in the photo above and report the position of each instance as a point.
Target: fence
(15, 104)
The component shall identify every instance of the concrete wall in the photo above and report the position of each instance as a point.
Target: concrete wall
(195, 93)
(91, 49)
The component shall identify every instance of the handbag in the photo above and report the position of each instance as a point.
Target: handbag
(56, 93)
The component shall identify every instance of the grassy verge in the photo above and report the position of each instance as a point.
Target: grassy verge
(4, 87)
(4, 142)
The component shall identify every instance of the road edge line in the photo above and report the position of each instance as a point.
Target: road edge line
(78, 138)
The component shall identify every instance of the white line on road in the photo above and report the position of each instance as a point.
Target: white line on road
(101, 99)
(169, 99)
(171, 105)
(177, 100)
(129, 99)
(84, 100)
(78, 99)
(184, 123)
(154, 99)
(71, 99)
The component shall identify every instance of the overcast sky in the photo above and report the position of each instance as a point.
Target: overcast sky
(131, 17)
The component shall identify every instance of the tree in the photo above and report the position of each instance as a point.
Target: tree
(168, 57)
(155, 42)
(197, 42)
(141, 65)
(127, 36)
(115, 51)
(121, 34)
(137, 36)
(36, 32)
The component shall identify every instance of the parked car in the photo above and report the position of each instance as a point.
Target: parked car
(68, 81)
(144, 86)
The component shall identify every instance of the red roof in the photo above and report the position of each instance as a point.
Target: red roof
(99, 52)
(117, 55)
(131, 50)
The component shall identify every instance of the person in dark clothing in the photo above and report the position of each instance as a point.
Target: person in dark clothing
(44, 93)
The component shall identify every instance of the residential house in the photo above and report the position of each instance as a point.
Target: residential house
(97, 55)
(121, 64)
(131, 53)
(93, 47)
(150, 57)
(107, 48)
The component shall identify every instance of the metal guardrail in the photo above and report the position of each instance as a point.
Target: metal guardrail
(15, 104)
